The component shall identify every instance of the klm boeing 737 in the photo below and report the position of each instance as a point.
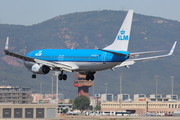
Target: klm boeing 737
(85, 61)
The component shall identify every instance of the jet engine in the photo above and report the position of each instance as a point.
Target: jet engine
(40, 69)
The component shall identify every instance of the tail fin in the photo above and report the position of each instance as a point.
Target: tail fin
(122, 39)
(6, 45)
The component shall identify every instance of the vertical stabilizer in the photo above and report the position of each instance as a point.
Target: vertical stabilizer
(122, 39)
(6, 45)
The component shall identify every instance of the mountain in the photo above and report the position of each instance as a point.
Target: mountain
(91, 30)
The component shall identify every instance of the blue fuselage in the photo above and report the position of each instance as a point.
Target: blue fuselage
(85, 59)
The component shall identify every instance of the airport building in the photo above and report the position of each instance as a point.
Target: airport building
(155, 96)
(143, 105)
(136, 96)
(123, 97)
(82, 84)
(107, 97)
(173, 97)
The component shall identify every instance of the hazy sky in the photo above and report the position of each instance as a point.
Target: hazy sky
(28, 12)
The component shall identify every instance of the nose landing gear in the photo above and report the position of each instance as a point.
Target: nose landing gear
(33, 76)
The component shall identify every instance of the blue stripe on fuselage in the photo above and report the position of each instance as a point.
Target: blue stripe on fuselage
(77, 55)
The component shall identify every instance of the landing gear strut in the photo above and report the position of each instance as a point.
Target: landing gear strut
(33, 76)
(62, 76)
(90, 76)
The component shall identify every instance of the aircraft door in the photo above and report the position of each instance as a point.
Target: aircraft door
(104, 58)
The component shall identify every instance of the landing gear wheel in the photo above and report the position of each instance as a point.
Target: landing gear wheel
(92, 77)
(87, 77)
(60, 77)
(33, 76)
(64, 77)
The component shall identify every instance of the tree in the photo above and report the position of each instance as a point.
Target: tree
(71, 101)
(98, 107)
(81, 103)
(64, 111)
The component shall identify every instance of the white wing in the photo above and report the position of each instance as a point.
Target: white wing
(155, 57)
(132, 61)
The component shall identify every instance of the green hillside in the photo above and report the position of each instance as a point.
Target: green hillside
(95, 29)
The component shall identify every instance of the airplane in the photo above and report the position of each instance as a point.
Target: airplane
(85, 61)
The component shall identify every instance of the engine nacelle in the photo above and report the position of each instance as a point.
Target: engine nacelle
(40, 69)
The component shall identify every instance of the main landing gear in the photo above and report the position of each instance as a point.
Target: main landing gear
(90, 76)
(62, 76)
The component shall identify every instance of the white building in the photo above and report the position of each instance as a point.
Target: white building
(155, 96)
(136, 96)
(123, 97)
(107, 97)
(173, 97)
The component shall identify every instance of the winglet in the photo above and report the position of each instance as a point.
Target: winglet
(172, 49)
(6, 45)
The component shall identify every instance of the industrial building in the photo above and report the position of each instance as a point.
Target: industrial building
(15, 95)
(28, 111)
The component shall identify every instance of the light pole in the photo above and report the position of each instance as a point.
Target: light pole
(172, 79)
(156, 85)
(40, 88)
(120, 95)
(106, 84)
(93, 96)
(120, 87)
(52, 84)
(57, 73)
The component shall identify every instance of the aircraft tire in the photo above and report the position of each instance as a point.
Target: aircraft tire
(92, 77)
(64, 77)
(33, 76)
(87, 77)
(60, 76)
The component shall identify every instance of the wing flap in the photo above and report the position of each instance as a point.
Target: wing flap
(55, 65)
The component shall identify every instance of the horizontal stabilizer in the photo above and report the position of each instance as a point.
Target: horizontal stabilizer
(139, 53)
(155, 57)
(113, 52)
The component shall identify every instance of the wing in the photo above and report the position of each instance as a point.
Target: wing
(53, 65)
(155, 57)
(132, 61)
(139, 53)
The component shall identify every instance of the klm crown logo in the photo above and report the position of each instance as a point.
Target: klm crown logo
(123, 36)
(122, 32)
